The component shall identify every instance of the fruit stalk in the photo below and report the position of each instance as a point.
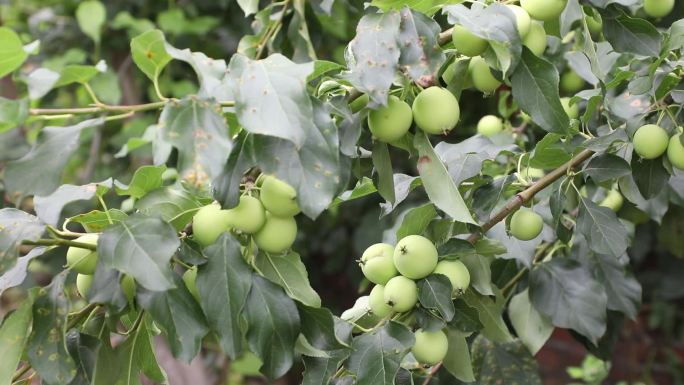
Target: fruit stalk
(60, 242)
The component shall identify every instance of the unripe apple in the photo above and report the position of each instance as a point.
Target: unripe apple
(489, 125)
(128, 287)
(248, 216)
(401, 294)
(536, 39)
(675, 152)
(83, 283)
(209, 223)
(457, 272)
(415, 257)
(482, 76)
(279, 197)
(190, 280)
(377, 263)
(466, 42)
(83, 261)
(658, 8)
(376, 301)
(391, 122)
(613, 200)
(522, 20)
(595, 24)
(277, 234)
(650, 141)
(572, 110)
(570, 82)
(436, 110)
(526, 224)
(544, 10)
(430, 347)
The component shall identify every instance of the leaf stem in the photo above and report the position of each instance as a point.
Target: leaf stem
(47, 113)
(60, 242)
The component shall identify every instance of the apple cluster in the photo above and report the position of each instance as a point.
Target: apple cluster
(394, 271)
(651, 141)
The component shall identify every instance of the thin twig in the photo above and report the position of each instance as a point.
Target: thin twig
(60, 242)
(108, 108)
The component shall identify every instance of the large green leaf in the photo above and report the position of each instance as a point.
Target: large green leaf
(434, 292)
(493, 361)
(141, 247)
(633, 35)
(532, 327)
(383, 173)
(622, 289)
(13, 335)
(16, 226)
(49, 207)
(95, 221)
(416, 220)
(428, 7)
(490, 315)
(149, 53)
(650, 176)
(145, 179)
(223, 284)
(607, 166)
(288, 271)
(174, 204)
(91, 15)
(318, 326)
(603, 230)
(376, 356)
(12, 113)
(12, 52)
(76, 73)
(17, 274)
(457, 360)
(421, 56)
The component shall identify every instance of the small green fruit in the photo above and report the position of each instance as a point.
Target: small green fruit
(594, 23)
(489, 125)
(359, 103)
(377, 263)
(279, 197)
(650, 141)
(522, 20)
(466, 42)
(401, 294)
(675, 152)
(536, 39)
(83, 261)
(482, 76)
(658, 8)
(430, 347)
(570, 82)
(128, 287)
(457, 272)
(209, 223)
(526, 224)
(83, 283)
(436, 110)
(415, 257)
(248, 216)
(376, 301)
(190, 280)
(613, 200)
(391, 122)
(572, 110)
(544, 10)
(277, 234)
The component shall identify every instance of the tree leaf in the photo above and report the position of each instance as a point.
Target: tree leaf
(376, 356)
(318, 326)
(174, 204)
(521, 251)
(13, 335)
(549, 152)
(650, 176)
(49, 207)
(533, 328)
(142, 248)
(91, 16)
(403, 185)
(467, 318)
(434, 293)
(457, 360)
(564, 290)
(607, 166)
(11, 51)
(149, 53)
(633, 35)
(12, 113)
(622, 289)
(421, 57)
(382, 164)
(416, 220)
(16, 226)
(602, 229)
(288, 271)
(76, 73)
(320, 370)
(16, 275)
(493, 361)
(490, 315)
(145, 179)
(95, 221)
(464, 160)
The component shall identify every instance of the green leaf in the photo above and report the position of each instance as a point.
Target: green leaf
(249, 6)
(16, 275)
(606, 167)
(179, 316)
(493, 361)
(320, 370)
(212, 74)
(149, 53)
(298, 34)
(91, 15)
(533, 328)
(141, 247)
(633, 35)
(288, 271)
(602, 229)
(383, 172)
(223, 284)
(363, 188)
(174, 204)
(535, 88)
(76, 73)
(403, 185)
(565, 291)
(421, 56)
(376, 356)
(622, 289)
(318, 326)
(521, 251)
(46, 346)
(95, 221)
(416, 220)
(49, 207)
(480, 273)
(549, 152)
(16, 226)
(464, 160)
(434, 293)
(428, 7)
(40, 171)
(650, 176)
(12, 113)
(439, 187)
(467, 318)
(13, 335)
(457, 360)
(490, 315)
(273, 326)
(145, 179)
(322, 67)
(12, 52)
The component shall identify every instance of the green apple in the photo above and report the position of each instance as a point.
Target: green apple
(83, 283)
(436, 110)
(391, 122)
(522, 19)
(376, 301)
(650, 141)
(466, 42)
(544, 10)
(675, 151)
(658, 8)
(570, 82)
(415, 256)
(279, 197)
(489, 125)
(482, 76)
(190, 280)
(457, 272)
(613, 200)
(277, 235)
(536, 39)
(594, 23)
(526, 224)
(430, 347)
(83, 261)
(248, 216)
(572, 110)
(401, 294)
(128, 287)
(209, 223)
(377, 263)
